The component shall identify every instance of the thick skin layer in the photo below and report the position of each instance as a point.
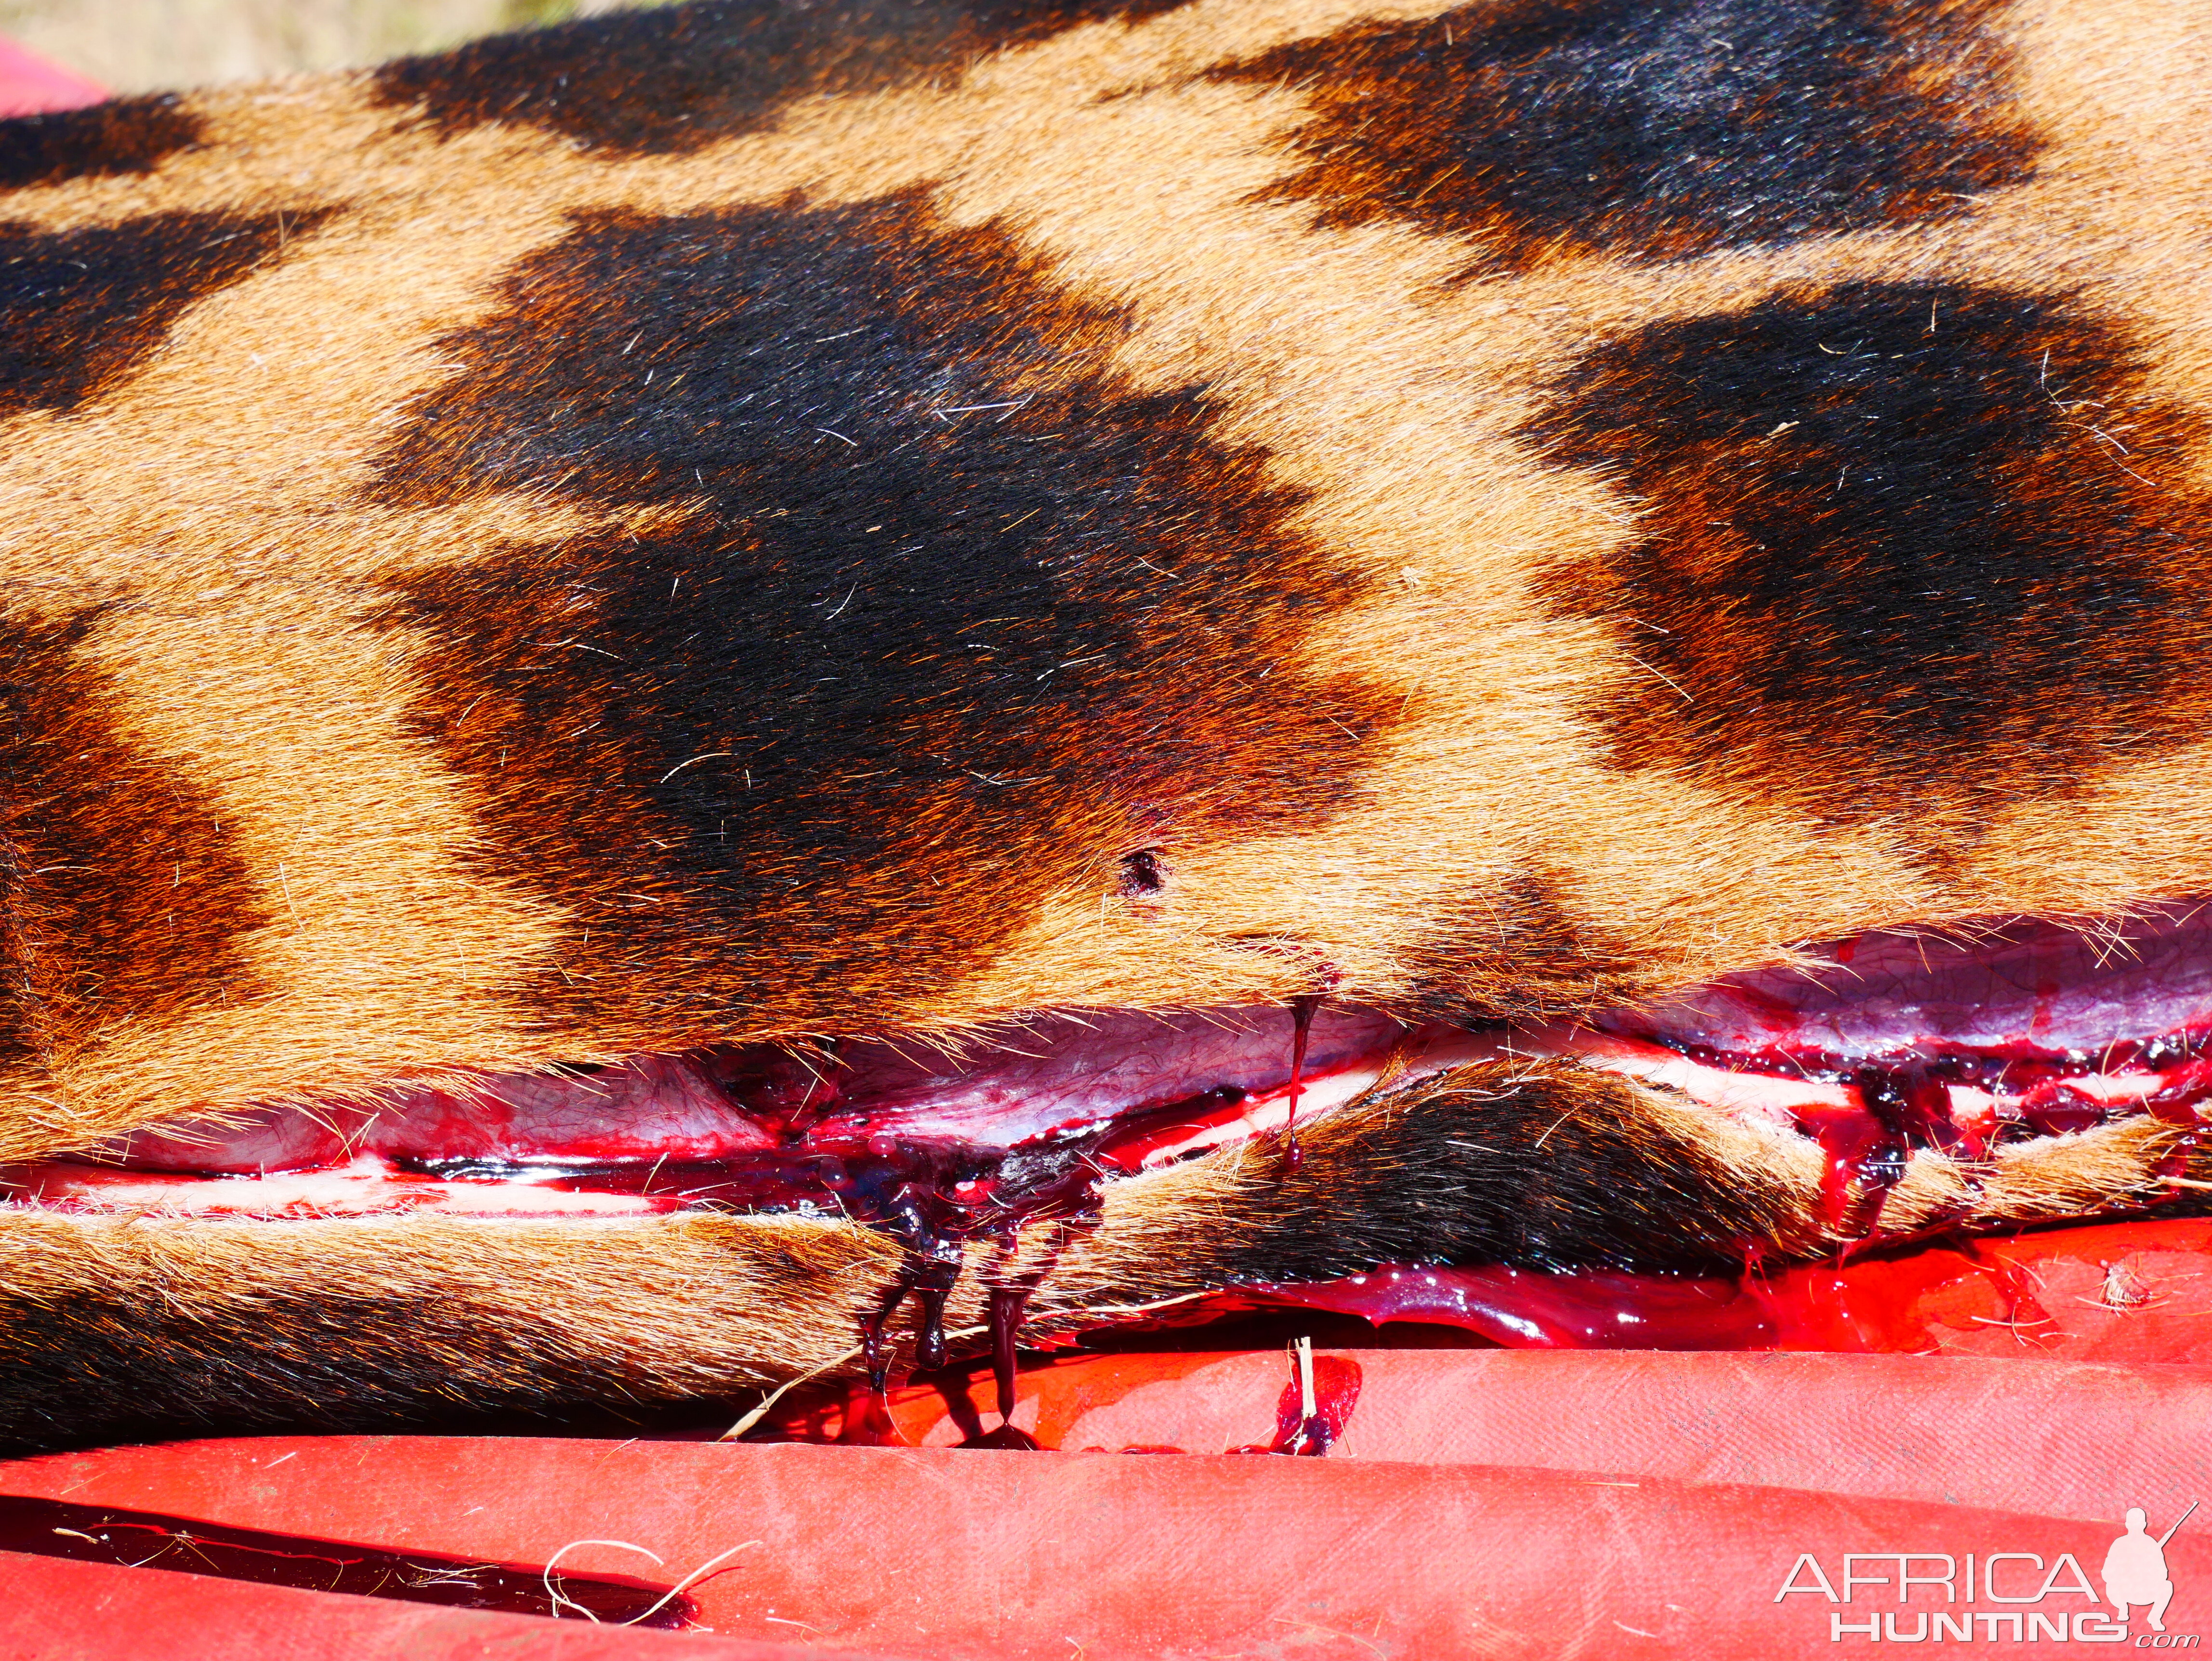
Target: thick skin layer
(119, 1326)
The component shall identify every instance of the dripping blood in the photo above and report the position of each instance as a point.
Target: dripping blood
(1008, 1303)
(1900, 1104)
(1302, 1015)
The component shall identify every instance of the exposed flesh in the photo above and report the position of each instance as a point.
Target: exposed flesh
(1874, 1046)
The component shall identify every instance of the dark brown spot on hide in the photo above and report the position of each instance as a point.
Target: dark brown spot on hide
(79, 309)
(669, 80)
(123, 135)
(956, 618)
(1898, 547)
(1653, 128)
(125, 898)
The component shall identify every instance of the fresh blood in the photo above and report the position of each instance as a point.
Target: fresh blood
(1336, 1380)
(1901, 1103)
(1008, 1304)
(1302, 1015)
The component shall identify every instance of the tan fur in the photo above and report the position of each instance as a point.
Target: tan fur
(211, 515)
(340, 1322)
(320, 352)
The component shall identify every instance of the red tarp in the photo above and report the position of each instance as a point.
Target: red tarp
(930, 1553)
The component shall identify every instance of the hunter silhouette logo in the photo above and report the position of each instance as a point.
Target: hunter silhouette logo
(2027, 1595)
(2135, 1568)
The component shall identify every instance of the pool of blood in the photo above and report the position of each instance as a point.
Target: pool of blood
(1891, 1301)
(1336, 1381)
(1537, 1309)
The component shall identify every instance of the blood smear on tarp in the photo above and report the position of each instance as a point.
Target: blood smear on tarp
(2135, 1290)
(2131, 1292)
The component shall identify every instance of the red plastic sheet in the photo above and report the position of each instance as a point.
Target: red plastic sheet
(939, 1552)
(32, 85)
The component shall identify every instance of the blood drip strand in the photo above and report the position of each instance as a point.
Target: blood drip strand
(1861, 1163)
(938, 1274)
(934, 1201)
(1904, 1109)
(929, 1270)
(1302, 1015)
(1008, 1304)
(875, 1349)
(1008, 1300)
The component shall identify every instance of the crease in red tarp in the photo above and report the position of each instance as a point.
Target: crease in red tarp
(944, 1555)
